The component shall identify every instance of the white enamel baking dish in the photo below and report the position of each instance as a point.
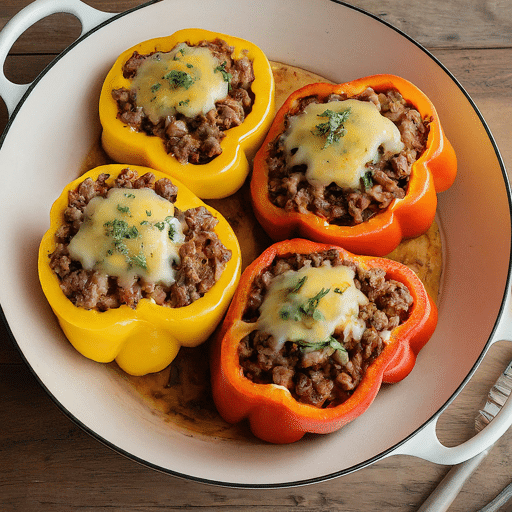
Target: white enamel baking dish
(53, 124)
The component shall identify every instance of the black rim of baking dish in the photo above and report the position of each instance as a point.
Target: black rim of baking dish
(328, 476)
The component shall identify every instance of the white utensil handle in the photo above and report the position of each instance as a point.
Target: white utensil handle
(449, 488)
(89, 18)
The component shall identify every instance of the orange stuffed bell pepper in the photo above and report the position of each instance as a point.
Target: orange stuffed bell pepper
(355, 164)
(135, 266)
(311, 334)
(195, 105)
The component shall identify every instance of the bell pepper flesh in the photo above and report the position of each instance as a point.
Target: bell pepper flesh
(226, 173)
(434, 171)
(273, 414)
(145, 339)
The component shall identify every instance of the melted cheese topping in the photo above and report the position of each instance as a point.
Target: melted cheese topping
(281, 313)
(188, 80)
(131, 232)
(342, 162)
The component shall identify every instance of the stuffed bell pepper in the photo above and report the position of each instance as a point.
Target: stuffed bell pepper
(355, 164)
(195, 105)
(311, 334)
(135, 266)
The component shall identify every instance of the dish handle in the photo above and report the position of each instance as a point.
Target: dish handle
(425, 443)
(89, 18)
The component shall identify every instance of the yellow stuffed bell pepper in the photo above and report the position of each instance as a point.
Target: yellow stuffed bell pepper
(200, 117)
(145, 337)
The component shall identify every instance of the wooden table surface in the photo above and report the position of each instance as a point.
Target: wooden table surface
(47, 463)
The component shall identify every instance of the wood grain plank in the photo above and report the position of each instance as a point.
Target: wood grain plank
(487, 77)
(482, 71)
(454, 24)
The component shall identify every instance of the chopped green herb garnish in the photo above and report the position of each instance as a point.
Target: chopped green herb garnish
(332, 342)
(161, 225)
(139, 260)
(367, 180)
(181, 51)
(334, 128)
(225, 75)
(190, 66)
(299, 285)
(155, 87)
(284, 314)
(306, 346)
(341, 289)
(172, 232)
(289, 312)
(148, 213)
(184, 103)
(133, 232)
(123, 209)
(306, 310)
(120, 231)
(121, 247)
(311, 305)
(179, 79)
(129, 196)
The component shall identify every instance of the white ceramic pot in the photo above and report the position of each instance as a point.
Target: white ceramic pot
(53, 124)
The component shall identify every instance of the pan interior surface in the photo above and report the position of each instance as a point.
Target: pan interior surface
(56, 125)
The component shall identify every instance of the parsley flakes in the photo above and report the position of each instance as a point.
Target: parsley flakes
(367, 180)
(179, 79)
(123, 209)
(225, 75)
(333, 129)
(308, 311)
(120, 231)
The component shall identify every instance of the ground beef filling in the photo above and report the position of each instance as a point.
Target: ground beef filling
(289, 188)
(203, 257)
(321, 378)
(194, 140)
